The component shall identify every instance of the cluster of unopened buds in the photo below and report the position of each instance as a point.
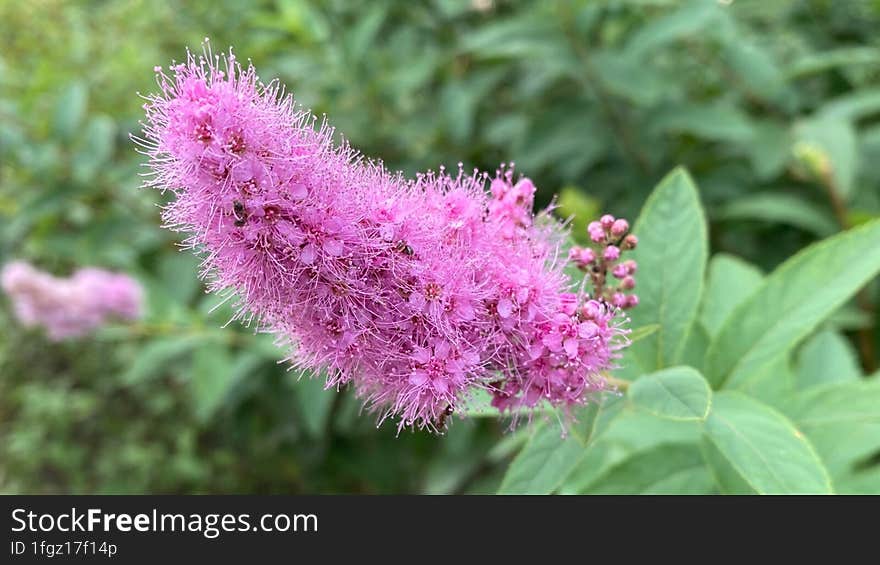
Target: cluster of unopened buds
(612, 239)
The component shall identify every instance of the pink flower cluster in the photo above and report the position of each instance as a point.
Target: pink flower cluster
(416, 292)
(70, 307)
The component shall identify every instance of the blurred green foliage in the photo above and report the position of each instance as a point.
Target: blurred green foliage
(772, 106)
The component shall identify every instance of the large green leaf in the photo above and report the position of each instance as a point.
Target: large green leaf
(671, 255)
(827, 357)
(841, 419)
(622, 432)
(314, 403)
(817, 62)
(694, 353)
(836, 139)
(692, 18)
(755, 67)
(784, 209)
(792, 300)
(753, 448)
(863, 481)
(677, 393)
(666, 469)
(213, 373)
(769, 148)
(772, 384)
(853, 106)
(70, 110)
(548, 457)
(155, 356)
(714, 122)
(730, 281)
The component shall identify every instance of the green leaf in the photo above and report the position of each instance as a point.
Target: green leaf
(694, 352)
(717, 122)
(829, 59)
(841, 419)
(772, 384)
(764, 451)
(95, 148)
(853, 106)
(678, 393)
(621, 432)
(689, 20)
(641, 333)
(769, 148)
(630, 78)
(212, 375)
(783, 209)
(793, 299)
(672, 253)
(519, 37)
(557, 139)
(836, 138)
(730, 282)
(756, 68)
(666, 469)
(827, 357)
(153, 358)
(314, 403)
(865, 481)
(70, 110)
(548, 457)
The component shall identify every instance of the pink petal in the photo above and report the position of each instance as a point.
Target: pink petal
(289, 232)
(536, 350)
(421, 355)
(587, 330)
(571, 347)
(441, 350)
(418, 378)
(553, 341)
(299, 191)
(505, 307)
(465, 311)
(307, 255)
(417, 301)
(333, 247)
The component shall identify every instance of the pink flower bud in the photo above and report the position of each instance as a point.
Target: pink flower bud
(632, 301)
(620, 271)
(619, 227)
(607, 221)
(587, 256)
(597, 235)
(619, 299)
(592, 309)
(581, 257)
(630, 241)
(628, 283)
(612, 253)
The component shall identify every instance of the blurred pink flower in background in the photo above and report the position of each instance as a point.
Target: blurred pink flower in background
(70, 307)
